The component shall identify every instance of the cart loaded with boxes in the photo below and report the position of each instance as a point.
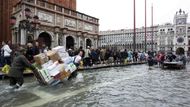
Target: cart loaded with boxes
(51, 66)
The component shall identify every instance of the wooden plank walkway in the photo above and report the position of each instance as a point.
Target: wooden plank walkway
(99, 66)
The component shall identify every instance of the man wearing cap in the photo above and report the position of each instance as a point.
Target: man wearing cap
(18, 66)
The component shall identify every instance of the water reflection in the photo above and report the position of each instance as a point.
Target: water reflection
(132, 86)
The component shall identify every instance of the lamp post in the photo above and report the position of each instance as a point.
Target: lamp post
(13, 28)
(27, 27)
(13, 20)
(27, 13)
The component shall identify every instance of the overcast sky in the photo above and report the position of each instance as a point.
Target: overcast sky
(118, 14)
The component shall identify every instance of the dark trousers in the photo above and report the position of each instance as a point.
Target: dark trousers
(87, 61)
(73, 75)
(14, 81)
(7, 60)
(2, 61)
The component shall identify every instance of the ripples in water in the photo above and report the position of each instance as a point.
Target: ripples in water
(131, 86)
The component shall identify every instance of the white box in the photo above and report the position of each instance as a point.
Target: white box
(55, 69)
(71, 67)
(61, 51)
(47, 64)
(45, 74)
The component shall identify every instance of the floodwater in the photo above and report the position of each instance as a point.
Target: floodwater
(130, 86)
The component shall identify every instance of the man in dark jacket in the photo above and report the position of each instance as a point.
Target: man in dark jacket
(19, 64)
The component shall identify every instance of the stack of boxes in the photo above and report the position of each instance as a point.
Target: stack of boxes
(52, 69)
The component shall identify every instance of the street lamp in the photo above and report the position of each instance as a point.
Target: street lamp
(27, 13)
(28, 25)
(13, 20)
(36, 19)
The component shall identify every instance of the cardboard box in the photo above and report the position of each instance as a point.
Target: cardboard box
(54, 56)
(58, 72)
(63, 54)
(70, 68)
(61, 51)
(40, 58)
(62, 75)
(46, 76)
(55, 69)
(47, 64)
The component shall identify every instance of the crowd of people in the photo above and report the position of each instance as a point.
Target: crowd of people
(96, 56)
(19, 57)
(91, 56)
(7, 52)
(160, 57)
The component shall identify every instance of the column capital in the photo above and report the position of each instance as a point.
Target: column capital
(79, 33)
(84, 34)
(64, 30)
(57, 29)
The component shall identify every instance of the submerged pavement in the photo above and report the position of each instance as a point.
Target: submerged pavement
(130, 86)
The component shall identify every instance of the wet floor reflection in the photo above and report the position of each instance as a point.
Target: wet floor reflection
(131, 86)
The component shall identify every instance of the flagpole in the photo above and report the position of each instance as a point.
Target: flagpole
(152, 28)
(145, 29)
(134, 37)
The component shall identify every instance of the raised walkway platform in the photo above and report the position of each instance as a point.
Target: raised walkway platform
(99, 66)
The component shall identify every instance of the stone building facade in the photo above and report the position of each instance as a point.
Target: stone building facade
(53, 25)
(165, 37)
(168, 37)
(6, 9)
(176, 36)
(5, 14)
(123, 39)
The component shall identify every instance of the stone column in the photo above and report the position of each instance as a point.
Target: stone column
(35, 1)
(79, 34)
(96, 45)
(79, 41)
(64, 40)
(96, 40)
(13, 35)
(36, 34)
(65, 32)
(56, 40)
(23, 37)
(84, 39)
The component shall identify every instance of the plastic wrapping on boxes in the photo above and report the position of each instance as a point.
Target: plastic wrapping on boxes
(46, 76)
(70, 67)
(62, 75)
(53, 55)
(47, 64)
(67, 60)
(55, 69)
(61, 51)
(52, 71)
(40, 58)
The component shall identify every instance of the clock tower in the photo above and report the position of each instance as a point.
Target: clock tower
(180, 36)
